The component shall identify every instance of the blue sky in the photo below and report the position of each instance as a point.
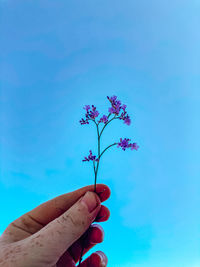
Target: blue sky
(57, 56)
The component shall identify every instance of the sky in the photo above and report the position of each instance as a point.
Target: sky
(56, 57)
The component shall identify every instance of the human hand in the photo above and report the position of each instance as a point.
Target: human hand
(51, 235)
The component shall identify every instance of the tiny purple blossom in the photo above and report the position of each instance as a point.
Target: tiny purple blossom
(123, 107)
(124, 144)
(134, 146)
(87, 107)
(127, 120)
(112, 98)
(114, 110)
(94, 113)
(90, 157)
(116, 105)
(125, 117)
(103, 119)
(91, 114)
(111, 110)
(82, 121)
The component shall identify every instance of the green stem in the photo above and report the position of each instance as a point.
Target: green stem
(94, 166)
(106, 149)
(96, 169)
(107, 123)
(98, 157)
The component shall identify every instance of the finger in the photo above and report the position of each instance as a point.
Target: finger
(103, 214)
(66, 261)
(34, 220)
(55, 238)
(97, 259)
(53, 208)
(93, 236)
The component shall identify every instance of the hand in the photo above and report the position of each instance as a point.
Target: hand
(51, 235)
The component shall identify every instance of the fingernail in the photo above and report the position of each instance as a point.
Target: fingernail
(91, 201)
(103, 258)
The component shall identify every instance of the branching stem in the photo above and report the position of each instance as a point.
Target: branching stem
(107, 123)
(99, 156)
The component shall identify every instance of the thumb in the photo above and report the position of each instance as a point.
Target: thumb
(57, 236)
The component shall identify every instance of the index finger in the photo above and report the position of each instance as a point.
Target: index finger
(48, 211)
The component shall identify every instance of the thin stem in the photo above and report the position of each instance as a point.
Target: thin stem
(95, 172)
(98, 157)
(106, 149)
(94, 166)
(95, 181)
(107, 124)
(85, 236)
(98, 140)
(96, 169)
(96, 176)
(99, 161)
(98, 137)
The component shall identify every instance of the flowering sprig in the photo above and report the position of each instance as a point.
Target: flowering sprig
(116, 111)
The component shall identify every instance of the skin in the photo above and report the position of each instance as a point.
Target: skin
(52, 234)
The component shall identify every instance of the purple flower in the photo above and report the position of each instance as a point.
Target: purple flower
(125, 117)
(123, 107)
(82, 121)
(114, 110)
(90, 157)
(91, 114)
(127, 120)
(87, 107)
(116, 105)
(103, 119)
(134, 146)
(94, 113)
(124, 144)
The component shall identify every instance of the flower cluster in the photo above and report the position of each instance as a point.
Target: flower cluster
(124, 144)
(103, 119)
(117, 107)
(90, 157)
(91, 114)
